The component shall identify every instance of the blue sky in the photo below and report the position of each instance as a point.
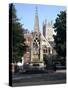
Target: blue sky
(26, 14)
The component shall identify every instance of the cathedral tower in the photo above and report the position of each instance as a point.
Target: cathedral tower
(44, 28)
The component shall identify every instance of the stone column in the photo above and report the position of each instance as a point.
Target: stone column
(51, 51)
(41, 50)
(31, 51)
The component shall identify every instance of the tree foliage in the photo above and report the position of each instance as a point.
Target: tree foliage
(60, 37)
(17, 35)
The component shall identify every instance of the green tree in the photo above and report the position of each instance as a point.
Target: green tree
(60, 37)
(17, 35)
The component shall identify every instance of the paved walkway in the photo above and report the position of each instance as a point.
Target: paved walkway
(45, 78)
(61, 71)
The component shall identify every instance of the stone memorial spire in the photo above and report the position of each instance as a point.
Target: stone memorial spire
(36, 21)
